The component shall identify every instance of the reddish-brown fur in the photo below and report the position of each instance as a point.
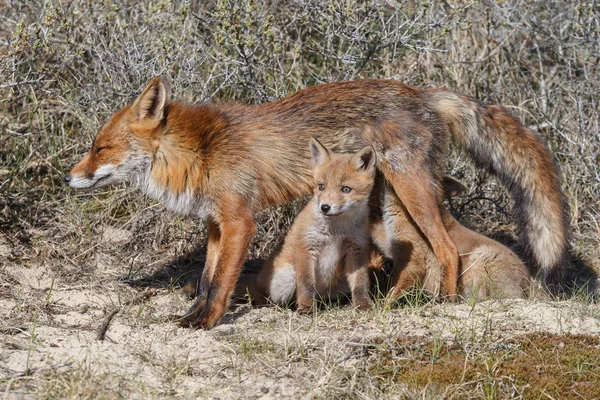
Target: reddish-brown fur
(488, 269)
(499, 143)
(224, 163)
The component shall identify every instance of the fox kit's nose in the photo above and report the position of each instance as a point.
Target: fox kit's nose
(325, 208)
(67, 178)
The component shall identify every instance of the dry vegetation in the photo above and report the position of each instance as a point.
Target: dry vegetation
(67, 258)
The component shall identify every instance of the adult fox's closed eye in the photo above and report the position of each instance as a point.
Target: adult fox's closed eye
(226, 162)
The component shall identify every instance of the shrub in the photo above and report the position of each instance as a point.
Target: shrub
(67, 67)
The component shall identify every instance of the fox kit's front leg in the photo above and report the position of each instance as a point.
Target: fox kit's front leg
(305, 284)
(357, 274)
(224, 264)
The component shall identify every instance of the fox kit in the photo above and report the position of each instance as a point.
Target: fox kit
(224, 163)
(326, 250)
(488, 269)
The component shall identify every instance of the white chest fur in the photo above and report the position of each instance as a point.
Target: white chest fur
(328, 261)
(186, 203)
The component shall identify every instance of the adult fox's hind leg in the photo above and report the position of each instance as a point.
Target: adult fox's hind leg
(419, 197)
(409, 268)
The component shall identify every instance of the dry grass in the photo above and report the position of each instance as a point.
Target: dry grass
(66, 66)
(494, 349)
(531, 365)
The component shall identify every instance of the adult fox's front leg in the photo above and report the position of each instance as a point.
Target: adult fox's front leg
(217, 284)
(200, 287)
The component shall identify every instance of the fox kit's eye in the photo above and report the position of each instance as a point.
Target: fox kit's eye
(98, 150)
(346, 189)
(321, 187)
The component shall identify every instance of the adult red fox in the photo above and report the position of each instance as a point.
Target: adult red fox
(326, 251)
(488, 269)
(226, 162)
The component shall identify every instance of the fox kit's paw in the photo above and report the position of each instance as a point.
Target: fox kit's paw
(442, 294)
(190, 289)
(449, 289)
(363, 304)
(445, 296)
(305, 309)
(450, 282)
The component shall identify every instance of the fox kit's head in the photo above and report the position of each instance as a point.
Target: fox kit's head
(122, 148)
(342, 181)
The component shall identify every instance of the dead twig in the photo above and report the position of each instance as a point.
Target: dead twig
(30, 371)
(101, 332)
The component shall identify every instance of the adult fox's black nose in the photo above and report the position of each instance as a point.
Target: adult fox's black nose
(67, 178)
(325, 208)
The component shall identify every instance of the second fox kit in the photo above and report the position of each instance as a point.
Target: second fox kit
(326, 249)
(487, 268)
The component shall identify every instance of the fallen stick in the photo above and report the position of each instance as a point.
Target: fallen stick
(101, 332)
(30, 371)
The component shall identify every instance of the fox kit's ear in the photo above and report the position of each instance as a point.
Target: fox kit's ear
(452, 187)
(151, 103)
(319, 155)
(364, 160)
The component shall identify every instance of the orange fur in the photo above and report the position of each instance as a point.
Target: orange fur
(488, 269)
(325, 253)
(224, 163)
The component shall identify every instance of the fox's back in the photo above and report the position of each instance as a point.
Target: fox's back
(344, 116)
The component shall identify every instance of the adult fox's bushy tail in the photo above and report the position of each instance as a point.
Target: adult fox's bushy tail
(513, 153)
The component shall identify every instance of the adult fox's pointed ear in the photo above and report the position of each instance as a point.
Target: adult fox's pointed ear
(452, 187)
(319, 155)
(151, 103)
(364, 160)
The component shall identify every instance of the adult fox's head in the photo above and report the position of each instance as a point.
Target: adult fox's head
(342, 181)
(122, 149)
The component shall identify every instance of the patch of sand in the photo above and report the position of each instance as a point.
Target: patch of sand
(255, 353)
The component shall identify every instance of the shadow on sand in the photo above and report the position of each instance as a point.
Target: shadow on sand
(184, 273)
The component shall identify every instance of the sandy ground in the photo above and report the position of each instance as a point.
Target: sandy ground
(49, 345)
